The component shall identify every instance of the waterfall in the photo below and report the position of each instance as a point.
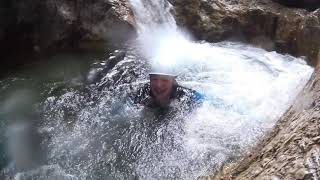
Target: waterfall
(151, 15)
(88, 131)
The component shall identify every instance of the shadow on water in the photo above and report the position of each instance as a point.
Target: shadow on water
(20, 92)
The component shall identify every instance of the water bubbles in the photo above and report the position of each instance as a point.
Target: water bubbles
(94, 133)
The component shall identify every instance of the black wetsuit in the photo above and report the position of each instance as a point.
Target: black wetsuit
(181, 96)
(153, 116)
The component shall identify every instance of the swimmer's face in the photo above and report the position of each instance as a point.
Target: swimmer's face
(161, 87)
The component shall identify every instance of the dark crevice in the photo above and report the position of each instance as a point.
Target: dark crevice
(309, 5)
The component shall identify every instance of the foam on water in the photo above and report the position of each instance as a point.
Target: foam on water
(92, 134)
(247, 89)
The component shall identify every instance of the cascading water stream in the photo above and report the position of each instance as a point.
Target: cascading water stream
(152, 15)
(90, 132)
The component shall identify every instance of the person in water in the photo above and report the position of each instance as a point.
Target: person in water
(163, 91)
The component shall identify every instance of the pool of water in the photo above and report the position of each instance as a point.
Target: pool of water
(72, 118)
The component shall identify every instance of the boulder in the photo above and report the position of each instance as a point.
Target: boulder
(263, 23)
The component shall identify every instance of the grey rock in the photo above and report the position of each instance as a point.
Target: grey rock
(263, 23)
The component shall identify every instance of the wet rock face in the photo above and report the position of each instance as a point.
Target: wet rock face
(307, 4)
(292, 149)
(28, 26)
(263, 23)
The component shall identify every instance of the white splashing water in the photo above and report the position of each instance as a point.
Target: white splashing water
(247, 90)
